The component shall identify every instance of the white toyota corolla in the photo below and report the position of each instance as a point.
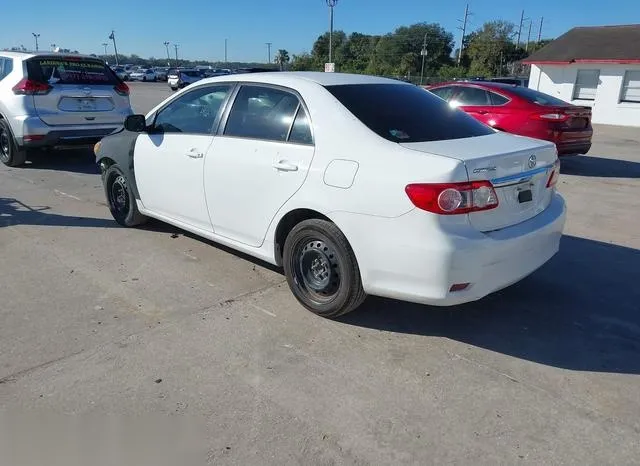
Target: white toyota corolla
(354, 184)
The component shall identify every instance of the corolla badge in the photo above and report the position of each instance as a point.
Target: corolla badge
(533, 161)
(484, 169)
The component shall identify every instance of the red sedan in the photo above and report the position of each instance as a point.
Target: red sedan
(523, 111)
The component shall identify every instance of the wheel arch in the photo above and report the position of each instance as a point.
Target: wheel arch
(119, 149)
(286, 224)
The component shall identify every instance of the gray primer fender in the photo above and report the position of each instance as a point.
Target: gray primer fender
(119, 147)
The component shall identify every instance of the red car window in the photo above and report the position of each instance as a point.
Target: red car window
(472, 96)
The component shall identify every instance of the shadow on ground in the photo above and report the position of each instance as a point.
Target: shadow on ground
(587, 165)
(581, 311)
(14, 212)
(80, 160)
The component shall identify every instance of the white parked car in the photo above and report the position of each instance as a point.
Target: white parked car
(144, 74)
(356, 185)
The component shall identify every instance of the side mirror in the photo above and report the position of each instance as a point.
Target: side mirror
(135, 123)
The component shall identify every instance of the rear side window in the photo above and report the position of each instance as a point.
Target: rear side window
(472, 96)
(443, 92)
(70, 70)
(6, 67)
(497, 99)
(537, 97)
(263, 113)
(406, 113)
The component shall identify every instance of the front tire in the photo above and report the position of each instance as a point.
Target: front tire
(10, 154)
(321, 269)
(120, 198)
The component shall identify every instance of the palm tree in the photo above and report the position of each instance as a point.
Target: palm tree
(282, 58)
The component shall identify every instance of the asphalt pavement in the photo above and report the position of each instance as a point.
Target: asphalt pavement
(96, 319)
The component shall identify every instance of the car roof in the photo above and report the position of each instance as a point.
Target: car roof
(30, 54)
(490, 84)
(289, 78)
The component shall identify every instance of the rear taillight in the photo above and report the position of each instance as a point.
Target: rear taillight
(453, 198)
(552, 116)
(555, 174)
(31, 87)
(122, 89)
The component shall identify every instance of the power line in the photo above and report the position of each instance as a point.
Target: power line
(463, 28)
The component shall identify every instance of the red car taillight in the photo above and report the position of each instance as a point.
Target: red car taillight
(555, 174)
(453, 198)
(551, 116)
(31, 87)
(122, 89)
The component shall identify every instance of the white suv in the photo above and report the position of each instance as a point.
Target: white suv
(51, 99)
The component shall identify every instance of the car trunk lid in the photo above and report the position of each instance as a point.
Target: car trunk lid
(82, 91)
(518, 168)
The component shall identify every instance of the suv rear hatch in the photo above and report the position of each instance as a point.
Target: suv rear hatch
(82, 91)
(518, 168)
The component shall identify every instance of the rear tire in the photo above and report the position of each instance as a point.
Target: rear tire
(10, 154)
(120, 198)
(321, 269)
(174, 89)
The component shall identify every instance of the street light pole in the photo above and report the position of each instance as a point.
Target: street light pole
(331, 4)
(115, 48)
(36, 37)
(175, 46)
(53, 47)
(269, 51)
(225, 50)
(105, 45)
(166, 46)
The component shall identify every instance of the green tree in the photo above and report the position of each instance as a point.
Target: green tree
(282, 58)
(491, 47)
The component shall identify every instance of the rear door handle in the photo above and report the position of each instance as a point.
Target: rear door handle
(284, 166)
(482, 112)
(194, 154)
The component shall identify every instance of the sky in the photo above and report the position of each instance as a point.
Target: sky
(200, 27)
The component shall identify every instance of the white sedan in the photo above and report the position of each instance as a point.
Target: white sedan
(354, 184)
(143, 75)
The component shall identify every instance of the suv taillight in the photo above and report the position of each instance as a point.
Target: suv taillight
(31, 87)
(453, 198)
(121, 88)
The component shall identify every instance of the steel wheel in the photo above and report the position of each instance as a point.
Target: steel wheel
(317, 271)
(118, 196)
(5, 145)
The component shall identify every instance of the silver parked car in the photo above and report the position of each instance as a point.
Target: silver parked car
(161, 73)
(183, 77)
(51, 99)
(143, 74)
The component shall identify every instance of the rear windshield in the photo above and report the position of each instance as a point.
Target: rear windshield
(191, 73)
(61, 70)
(406, 113)
(537, 97)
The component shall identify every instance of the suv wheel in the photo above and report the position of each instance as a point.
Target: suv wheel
(10, 154)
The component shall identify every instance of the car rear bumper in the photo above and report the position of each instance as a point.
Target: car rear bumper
(573, 142)
(32, 132)
(412, 259)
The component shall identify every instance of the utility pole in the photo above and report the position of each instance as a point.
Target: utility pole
(36, 37)
(175, 46)
(540, 30)
(528, 35)
(105, 45)
(423, 52)
(269, 51)
(166, 46)
(115, 48)
(463, 28)
(225, 50)
(522, 20)
(331, 4)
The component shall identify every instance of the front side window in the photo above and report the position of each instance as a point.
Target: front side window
(262, 113)
(586, 85)
(194, 112)
(631, 87)
(406, 113)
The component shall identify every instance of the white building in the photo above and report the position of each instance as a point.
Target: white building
(597, 67)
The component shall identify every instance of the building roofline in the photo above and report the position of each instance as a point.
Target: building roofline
(610, 61)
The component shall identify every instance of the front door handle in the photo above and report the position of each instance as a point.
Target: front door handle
(284, 166)
(194, 154)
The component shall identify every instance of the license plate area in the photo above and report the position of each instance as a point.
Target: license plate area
(86, 105)
(524, 193)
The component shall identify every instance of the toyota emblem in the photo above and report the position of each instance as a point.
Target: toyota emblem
(532, 161)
